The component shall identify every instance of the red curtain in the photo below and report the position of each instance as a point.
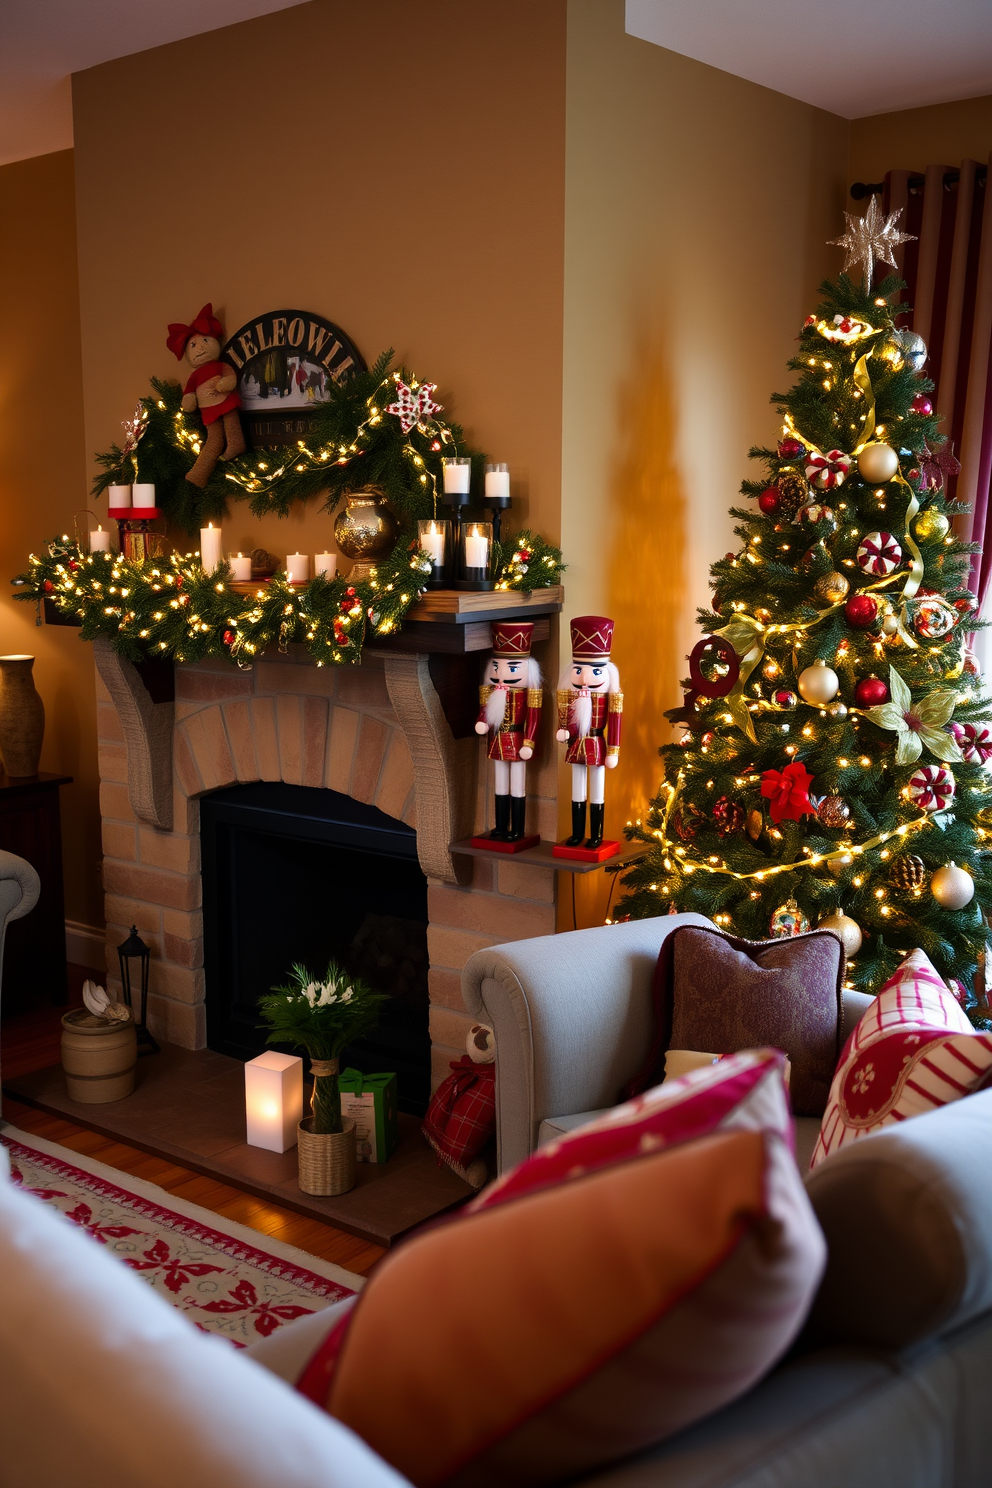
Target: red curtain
(948, 272)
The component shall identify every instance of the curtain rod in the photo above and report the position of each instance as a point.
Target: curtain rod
(861, 189)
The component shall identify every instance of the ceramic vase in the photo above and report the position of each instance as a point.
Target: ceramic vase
(22, 716)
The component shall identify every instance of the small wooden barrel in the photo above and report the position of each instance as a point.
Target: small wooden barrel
(99, 1058)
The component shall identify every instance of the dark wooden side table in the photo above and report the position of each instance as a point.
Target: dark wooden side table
(34, 964)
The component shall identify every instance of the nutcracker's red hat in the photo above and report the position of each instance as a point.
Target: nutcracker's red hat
(205, 324)
(592, 639)
(512, 638)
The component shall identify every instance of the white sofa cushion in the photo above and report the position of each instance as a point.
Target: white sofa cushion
(105, 1385)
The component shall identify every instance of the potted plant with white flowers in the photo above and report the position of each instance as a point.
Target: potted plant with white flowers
(322, 1016)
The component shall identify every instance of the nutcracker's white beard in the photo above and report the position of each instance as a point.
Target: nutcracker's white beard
(581, 714)
(496, 707)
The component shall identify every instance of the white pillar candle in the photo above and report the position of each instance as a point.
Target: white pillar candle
(326, 563)
(476, 551)
(99, 541)
(240, 568)
(118, 497)
(498, 482)
(143, 495)
(210, 547)
(297, 568)
(432, 541)
(273, 1100)
(457, 475)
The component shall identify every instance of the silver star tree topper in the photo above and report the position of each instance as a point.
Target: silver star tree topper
(871, 238)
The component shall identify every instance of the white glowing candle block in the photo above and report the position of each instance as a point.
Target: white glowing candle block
(211, 552)
(498, 482)
(432, 541)
(476, 551)
(457, 474)
(273, 1100)
(118, 497)
(143, 495)
(326, 563)
(240, 568)
(99, 541)
(297, 568)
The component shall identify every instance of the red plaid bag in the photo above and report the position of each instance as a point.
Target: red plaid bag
(461, 1117)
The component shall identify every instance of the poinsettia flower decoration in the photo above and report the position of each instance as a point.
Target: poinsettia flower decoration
(788, 791)
(916, 724)
(937, 466)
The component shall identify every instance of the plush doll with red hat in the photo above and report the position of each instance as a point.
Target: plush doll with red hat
(211, 388)
(590, 709)
(510, 712)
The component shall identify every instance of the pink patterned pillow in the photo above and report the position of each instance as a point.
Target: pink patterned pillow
(914, 1050)
(743, 1092)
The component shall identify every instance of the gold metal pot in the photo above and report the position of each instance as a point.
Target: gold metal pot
(366, 528)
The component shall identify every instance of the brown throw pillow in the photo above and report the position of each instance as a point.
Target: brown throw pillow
(714, 991)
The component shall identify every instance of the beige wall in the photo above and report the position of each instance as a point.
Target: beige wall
(43, 482)
(402, 175)
(697, 209)
(912, 139)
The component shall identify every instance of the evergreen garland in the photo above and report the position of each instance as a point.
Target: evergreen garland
(701, 857)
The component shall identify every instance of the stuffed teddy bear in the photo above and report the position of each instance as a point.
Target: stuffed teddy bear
(211, 388)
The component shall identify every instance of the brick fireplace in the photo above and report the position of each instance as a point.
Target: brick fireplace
(377, 733)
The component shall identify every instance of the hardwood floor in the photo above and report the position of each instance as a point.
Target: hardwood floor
(30, 1041)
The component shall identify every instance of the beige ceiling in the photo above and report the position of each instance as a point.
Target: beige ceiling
(852, 57)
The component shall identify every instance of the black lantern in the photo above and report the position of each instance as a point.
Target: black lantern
(135, 958)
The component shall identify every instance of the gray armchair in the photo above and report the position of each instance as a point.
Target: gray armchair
(573, 1019)
(19, 890)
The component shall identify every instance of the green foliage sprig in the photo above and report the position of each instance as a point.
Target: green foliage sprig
(321, 1016)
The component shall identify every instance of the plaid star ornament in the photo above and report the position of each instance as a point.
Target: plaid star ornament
(937, 467)
(414, 405)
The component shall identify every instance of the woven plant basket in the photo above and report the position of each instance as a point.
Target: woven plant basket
(327, 1159)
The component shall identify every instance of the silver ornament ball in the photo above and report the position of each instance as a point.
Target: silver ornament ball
(952, 887)
(877, 462)
(913, 348)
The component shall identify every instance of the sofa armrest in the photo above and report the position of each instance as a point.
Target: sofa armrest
(573, 1020)
(24, 886)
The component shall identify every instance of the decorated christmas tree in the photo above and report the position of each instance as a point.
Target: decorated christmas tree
(832, 765)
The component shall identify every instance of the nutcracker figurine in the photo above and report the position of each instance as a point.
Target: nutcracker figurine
(590, 705)
(510, 711)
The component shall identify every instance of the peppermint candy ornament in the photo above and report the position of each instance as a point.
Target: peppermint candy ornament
(932, 616)
(932, 788)
(973, 740)
(879, 554)
(829, 470)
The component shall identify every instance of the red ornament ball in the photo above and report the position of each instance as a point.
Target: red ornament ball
(788, 449)
(861, 611)
(871, 692)
(770, 501)
(48, 586)
(229, 638)
(922, 405)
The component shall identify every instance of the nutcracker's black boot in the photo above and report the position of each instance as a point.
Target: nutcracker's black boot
(518, 810)
(596, 825)
(501, 831)
(578, 824)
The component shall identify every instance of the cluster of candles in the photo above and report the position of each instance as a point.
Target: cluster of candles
(297, 564)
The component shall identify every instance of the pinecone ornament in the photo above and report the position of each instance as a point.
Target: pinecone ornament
(793, 492)
(908, 872)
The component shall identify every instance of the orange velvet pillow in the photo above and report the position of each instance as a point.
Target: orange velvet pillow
(563, 1329)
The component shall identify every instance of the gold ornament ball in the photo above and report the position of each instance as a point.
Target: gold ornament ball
(818, 684)
(931, 524)
(847, 929)
(877, 462)
(840, 864)
(952, 887)
(831, 588)
(755, 824)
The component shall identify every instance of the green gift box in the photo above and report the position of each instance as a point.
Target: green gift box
(370, 1101)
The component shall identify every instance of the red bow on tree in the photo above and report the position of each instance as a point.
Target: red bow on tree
(788, 790)
(205, 324)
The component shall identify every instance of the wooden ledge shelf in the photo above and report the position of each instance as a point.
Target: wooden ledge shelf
(542, 856)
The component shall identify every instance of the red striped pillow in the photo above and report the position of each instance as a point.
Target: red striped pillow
(914, 1050)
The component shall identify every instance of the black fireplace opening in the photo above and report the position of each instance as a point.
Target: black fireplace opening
(292, 874)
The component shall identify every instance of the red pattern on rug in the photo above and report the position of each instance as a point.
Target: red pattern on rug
(227, 1286)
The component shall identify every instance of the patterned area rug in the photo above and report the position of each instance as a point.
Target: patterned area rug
(231, 1280)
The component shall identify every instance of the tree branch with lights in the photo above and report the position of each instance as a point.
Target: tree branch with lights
(832, 768)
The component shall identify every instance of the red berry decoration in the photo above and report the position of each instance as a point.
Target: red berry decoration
(229, 638)
(861, 611)
(922, 405)
(789, 448)
(871, 692)
(769, 501)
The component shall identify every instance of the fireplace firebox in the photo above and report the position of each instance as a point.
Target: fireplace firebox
(294, 874)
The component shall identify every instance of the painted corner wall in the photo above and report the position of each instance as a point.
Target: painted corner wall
(698, 206)
(43, 483)
(912, 139)
(400, 173)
